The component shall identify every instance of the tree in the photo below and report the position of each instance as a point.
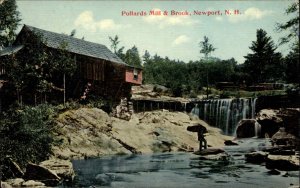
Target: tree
(206, 47)
(114, 43)
(146, 57)
(264, 63)
(9, 21)
(292, 63)
(132, 57)
(292, 25)
(62, 63)
(114, 46)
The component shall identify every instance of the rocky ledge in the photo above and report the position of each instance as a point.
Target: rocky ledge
(48, 173)
(91, 132)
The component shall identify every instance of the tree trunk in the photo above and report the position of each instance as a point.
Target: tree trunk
(64, 89)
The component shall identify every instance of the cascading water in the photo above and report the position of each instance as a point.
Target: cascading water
(225, 113)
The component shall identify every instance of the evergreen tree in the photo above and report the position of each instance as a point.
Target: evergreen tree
(292, 63)
(264, 63)
(9, 21)
(132, 57)
(206, 47)
(114, 46)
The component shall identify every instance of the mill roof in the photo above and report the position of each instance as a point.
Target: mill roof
(75, 45)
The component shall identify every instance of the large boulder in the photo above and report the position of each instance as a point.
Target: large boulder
(271, 120)
(281, 137)
(42, 174)
(63, 168)
(248, 128)
(281, 162)
(11, 169)
(257, 157)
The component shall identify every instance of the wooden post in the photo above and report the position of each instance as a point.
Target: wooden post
(207, 83)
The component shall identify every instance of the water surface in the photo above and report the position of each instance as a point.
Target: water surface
(181, 170)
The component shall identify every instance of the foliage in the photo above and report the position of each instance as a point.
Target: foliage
(291, 25)
(264, 64)
(182, 78)
(9, 21)
(206, 47)
(114, 46)
(132, 57)
(27, 133)
(292, 65)
(37, 70)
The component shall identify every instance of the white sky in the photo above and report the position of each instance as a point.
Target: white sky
(177, 37)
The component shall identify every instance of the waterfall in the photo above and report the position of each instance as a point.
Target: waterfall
(257, 129)
(226, 113)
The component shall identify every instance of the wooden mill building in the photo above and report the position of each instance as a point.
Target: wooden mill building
(103, 71)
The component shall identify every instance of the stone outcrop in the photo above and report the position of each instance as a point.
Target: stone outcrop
(271, 120)
(257, 157)
(280, 162)
(230, 143)
(48, 173)
(248, 128)
(11, 169)
(90, 132)
(63, 168)
(215, 154)
(210, 151)
(42, 174)
(281, 137)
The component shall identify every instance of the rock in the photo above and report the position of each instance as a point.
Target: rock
(281, 137)
(15, 182)
(63, 168)
(274, 172)
(271, 120)
(103, 179)
(268, 114)
(280, 151)
(294, 186)
(290, 117)
(5, 185)
(285, 163)
(11, 169)
(256, 157)
(32, 183)
(40, 173)
(210, 151)
(248, 128)
(217, 157)
(230, 143)
(146, 132)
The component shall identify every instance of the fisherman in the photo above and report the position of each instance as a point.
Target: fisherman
(201, 130)
(201, 139)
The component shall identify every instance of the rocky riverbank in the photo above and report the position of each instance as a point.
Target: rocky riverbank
(91, 132)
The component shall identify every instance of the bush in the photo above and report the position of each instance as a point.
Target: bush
(27, 134)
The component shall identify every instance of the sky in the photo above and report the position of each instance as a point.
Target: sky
(175, 36)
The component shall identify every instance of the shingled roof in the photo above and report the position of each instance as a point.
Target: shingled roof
(10, 50)
(77, 46)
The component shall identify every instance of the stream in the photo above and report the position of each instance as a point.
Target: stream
(181, 170)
